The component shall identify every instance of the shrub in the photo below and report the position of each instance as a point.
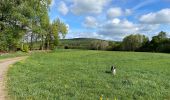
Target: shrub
(25, 48)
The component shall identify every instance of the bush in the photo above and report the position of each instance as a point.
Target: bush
(163, 48)
(25, 48)
(66, 47)
(52, 46)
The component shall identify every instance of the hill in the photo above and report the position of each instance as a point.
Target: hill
(81, 43)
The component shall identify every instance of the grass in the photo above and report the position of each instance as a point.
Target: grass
(12, 55)
(80, 75)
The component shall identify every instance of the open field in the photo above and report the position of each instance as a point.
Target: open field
(12, 55)
(80, 75)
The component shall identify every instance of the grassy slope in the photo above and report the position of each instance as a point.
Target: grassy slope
(80, 75)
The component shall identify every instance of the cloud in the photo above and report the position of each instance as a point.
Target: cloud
(68, 27)
(117, 27)
(84, 35)
(90, 22)
(117, 12)
(88, 6)
(114, 12)
(62, 8)
(147, 28)
(144, 3)
(114, 29)
(114, 23)
(160, 17)
(128, 12)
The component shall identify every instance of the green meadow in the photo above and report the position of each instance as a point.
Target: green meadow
(84, 75)
(12, 55)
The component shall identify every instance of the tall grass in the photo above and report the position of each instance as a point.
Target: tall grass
(80, 75)
(14, 54)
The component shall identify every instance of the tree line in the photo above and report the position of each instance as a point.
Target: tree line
(133, 42)
(141, 43)
(25, 23)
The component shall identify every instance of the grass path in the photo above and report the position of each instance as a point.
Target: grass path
(4, 64)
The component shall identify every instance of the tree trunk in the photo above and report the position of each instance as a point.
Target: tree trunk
(31, 43)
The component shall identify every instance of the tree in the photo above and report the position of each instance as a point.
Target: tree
(56, 29)
(133, 42)
(20, 18)
(11, 23)
(159, 42)
(99, 45)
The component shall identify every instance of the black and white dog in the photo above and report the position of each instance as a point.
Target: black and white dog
(113, 70)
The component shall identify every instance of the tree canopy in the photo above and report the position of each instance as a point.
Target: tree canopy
(21, 18)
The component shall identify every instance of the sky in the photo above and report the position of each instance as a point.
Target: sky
(112, 19)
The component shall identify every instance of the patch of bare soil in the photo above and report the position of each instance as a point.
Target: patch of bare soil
(4, 65)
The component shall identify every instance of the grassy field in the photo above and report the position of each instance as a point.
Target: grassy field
(80, 75)
(12, 55)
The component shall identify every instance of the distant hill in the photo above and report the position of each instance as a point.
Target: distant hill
(80, 43)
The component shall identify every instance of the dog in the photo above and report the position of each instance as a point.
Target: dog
(113, 70)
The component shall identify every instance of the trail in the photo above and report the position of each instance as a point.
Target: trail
(4, 65)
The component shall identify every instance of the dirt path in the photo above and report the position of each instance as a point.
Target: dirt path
(4, 65)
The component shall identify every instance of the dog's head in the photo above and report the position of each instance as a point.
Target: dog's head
(113, 67)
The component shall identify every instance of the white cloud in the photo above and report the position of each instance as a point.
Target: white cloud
(117, 12)
(117, 27)
(115, 21)
(114, 12)
(90, 22)
(147, 27)
(68, 27)
(128, 12)
(88, 6)
(160, 17)
(84, 35)
(62, 8)
(144, 3)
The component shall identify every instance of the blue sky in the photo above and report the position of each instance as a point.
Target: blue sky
(112, 19)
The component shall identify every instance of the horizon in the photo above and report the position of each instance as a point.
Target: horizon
(112, 19)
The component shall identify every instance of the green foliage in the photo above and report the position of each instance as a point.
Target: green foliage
(160, 42)
(99, 45)
(25, 48)
(55, 29)
(84, 43)
(80, 75)
(20, 18)
(134, 42)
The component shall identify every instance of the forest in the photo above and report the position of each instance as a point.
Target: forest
(23, 23)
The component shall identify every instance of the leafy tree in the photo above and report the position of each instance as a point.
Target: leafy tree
(56, 29)
(134, 41)
(14, 17)
(21, 18)
(159, 42)
(99, 45)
